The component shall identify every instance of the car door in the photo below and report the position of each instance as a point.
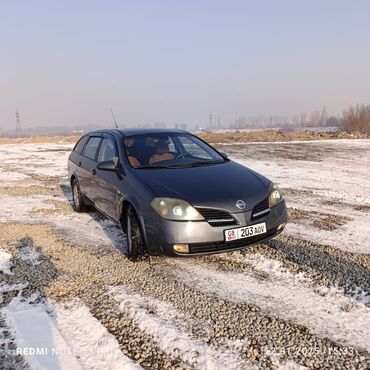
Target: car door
(87, 169)
(75, 158)
(107, 182)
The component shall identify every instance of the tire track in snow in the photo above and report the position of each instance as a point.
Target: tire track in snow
(89, 339)
(287, 300)
(172, 340)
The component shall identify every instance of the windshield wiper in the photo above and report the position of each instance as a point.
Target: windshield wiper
(153, 167)
(198, 164)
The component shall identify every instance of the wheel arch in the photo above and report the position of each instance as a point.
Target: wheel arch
(123, 205)
(73, 177)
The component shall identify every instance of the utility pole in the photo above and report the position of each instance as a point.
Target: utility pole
(218, 122)
(18, 129)
(210, 120)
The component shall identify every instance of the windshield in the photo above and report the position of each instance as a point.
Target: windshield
(172, 150)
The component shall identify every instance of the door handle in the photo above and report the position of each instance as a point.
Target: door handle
(79, 164)
(93, 171)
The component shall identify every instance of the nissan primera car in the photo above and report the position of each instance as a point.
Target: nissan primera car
(172, 193)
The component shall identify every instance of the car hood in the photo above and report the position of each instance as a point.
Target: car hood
(218, 186)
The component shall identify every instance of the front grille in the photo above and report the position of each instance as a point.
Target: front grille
(217, 217)
(261, 209)
(223, 246)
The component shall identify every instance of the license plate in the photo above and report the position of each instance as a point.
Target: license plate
(245, 232)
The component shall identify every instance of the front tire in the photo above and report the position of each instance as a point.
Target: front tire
(78, 203)
(135, 241)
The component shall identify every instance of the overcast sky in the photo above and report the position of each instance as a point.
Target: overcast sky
(69, 62)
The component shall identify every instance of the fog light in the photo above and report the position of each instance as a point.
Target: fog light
(281, 227)
(181, 248)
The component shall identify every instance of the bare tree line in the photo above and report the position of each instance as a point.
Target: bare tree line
(357, 118)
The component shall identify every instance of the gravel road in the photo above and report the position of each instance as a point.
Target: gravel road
(301, 300)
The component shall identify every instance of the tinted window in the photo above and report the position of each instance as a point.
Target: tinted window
(80, 145)
(169, 149)
(192, 147)
(106, 151)
(91, 147)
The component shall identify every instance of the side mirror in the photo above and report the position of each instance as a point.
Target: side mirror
(224, 155)
(116, 161)
(106, 166)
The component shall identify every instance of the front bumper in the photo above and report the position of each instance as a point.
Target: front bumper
(203, 238)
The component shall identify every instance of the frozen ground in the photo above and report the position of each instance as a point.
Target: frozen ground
(301, 300)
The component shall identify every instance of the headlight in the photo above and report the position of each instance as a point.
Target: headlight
(275, 196)
(175, 209)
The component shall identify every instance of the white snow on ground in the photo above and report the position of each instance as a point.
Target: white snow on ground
(285, 298)
(99, 231)
(173, 341)
(262, 264)
(40, 159)
(5, 263)
(17, 209)
(96, 348)
(82, 229)
(343, 177)
(289, 296)
(10, 288)
(289, 365)
(29, 255)
(8, 177)
(275, 269)
(340, 177)
(352, 237)
(26, 320)
(71, 338)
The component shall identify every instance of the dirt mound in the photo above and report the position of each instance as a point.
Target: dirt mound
(275, 135)
(216, 137)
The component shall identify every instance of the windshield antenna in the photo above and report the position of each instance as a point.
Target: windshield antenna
(114, 119)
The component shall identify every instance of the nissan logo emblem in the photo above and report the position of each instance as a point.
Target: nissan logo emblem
(240, 204)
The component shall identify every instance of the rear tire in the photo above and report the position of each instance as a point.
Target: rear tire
(78, 203)
(135, 242)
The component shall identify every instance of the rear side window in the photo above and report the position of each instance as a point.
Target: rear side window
(107, 150)
(91, 147)
(80, 145)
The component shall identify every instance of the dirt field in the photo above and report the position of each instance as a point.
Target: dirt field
(299, 301)
(216, 137)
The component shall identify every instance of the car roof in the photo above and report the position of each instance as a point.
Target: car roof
(138, 131)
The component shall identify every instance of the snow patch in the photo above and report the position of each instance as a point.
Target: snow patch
(263, 264)
(277, 271)
(29, 255)
(25, 320)
(4, 288)
(353, 237)
(8, 177)
(173, 341)
(17, 209)
(44, 160)
(284, 298)
(5, 263)
(96, 348)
